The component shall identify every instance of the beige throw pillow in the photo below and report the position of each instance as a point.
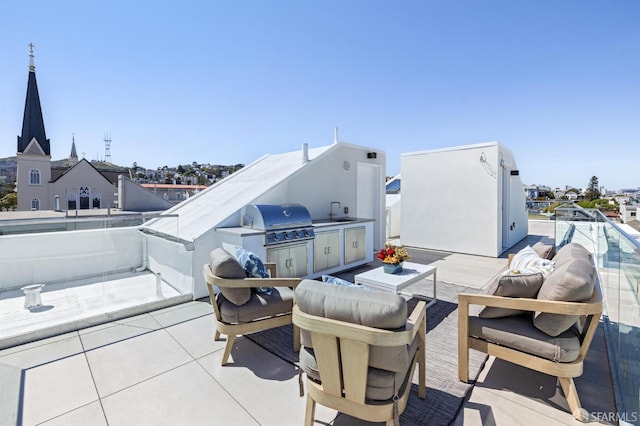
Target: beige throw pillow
(545, 251)
(512, 285)
(224, 265)
(571, 282)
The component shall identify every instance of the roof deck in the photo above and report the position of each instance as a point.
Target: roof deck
(163, 367)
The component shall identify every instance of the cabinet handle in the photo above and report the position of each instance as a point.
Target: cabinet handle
(328, 250)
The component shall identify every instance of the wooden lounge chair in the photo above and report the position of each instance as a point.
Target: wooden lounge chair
(238, 308)
(351, 365)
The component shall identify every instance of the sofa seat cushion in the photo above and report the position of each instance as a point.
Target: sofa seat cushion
(373, 308)
(517, 332)
(381, 384)
(259, 306)
(224, 265)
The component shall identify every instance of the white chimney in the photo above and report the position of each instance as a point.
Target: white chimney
(305, 153)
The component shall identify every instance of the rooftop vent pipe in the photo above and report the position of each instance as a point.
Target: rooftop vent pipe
(305, 153)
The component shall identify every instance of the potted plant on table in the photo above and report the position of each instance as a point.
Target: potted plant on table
(392, 258)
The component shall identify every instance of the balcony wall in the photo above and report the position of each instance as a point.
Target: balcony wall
(52, 257)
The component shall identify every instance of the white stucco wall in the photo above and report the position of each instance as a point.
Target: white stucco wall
(452, 199)
(394, 215)
(517, 226)
(26, 191)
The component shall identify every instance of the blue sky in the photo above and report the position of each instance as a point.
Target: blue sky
(555, 81)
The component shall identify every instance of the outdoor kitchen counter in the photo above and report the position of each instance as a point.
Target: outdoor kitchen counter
(340, 222)
(241, 231)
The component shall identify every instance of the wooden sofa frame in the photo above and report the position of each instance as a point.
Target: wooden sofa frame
(342, 353)
(260, 324)
(589, 312)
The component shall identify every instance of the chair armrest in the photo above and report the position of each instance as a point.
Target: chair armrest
(272, 269)
(417, 317)
(534, 305)
(247, 282)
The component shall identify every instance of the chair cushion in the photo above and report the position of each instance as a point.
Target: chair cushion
(572, 281)
(259, 306)
(518, 333)
(381, 384)
(373, 308)
(545, 251)
(253, 266)
(224, 265)
(379, 309)
(512, 285)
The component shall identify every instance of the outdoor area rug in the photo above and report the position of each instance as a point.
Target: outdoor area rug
(445, 393)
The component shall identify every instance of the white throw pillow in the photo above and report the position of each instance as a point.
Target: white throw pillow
(527, 261)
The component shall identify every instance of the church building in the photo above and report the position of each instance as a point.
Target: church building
(78, 185)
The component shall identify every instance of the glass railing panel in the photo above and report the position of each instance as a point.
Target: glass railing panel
(617, 257)
(167, 253)
(93, 270)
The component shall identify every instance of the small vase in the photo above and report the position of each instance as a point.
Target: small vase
(392, 268)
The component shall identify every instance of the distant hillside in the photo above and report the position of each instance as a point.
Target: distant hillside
(100, 165)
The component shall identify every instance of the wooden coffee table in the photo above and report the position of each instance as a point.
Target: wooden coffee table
(398, 283)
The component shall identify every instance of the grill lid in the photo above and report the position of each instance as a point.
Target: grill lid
(274, 216)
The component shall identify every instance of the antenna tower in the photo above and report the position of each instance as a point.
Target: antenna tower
(107, 147)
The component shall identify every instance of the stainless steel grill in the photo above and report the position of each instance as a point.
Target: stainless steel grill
(281, 223)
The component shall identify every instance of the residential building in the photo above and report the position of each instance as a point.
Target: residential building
(629, 212)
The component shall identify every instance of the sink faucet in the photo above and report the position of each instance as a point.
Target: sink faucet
(331, 213)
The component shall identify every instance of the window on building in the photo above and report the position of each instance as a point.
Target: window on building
(34, 177)
(393, 187)
(633, 214)
(71, 201)
(35, 204)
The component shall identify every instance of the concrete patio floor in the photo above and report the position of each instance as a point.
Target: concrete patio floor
(163, 367)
